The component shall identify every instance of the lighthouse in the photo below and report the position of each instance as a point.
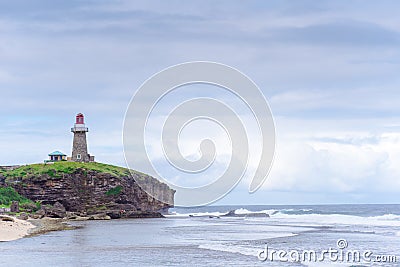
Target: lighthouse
(79, 146)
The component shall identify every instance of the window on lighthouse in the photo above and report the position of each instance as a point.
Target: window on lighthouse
(78, 156)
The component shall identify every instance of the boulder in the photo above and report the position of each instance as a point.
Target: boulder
(101, 216)
(232, 213)
(29, 207)
(36, 216)
(23, 216)
(55, 211)
(114, 214)
(143, 214)
(14, 206)
(40, 213)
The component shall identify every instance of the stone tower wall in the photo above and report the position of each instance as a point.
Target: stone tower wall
(80, 147)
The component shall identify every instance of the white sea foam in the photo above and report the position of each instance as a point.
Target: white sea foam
(332, 219)
(245, 211)
(231, 249)
(310, 219)
(388, 217)
(242, 211)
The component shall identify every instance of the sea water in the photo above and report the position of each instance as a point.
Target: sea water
(205, 237)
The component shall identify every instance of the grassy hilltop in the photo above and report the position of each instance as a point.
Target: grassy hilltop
(64, 167)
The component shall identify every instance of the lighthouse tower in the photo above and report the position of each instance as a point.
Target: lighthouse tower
(79, 147)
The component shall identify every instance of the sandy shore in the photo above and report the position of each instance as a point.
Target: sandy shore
(12, 228)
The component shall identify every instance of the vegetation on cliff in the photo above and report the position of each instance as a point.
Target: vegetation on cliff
(57, 169)
(8, 194)
(114, 191)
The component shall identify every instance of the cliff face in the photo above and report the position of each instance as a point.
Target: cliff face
(92, 191)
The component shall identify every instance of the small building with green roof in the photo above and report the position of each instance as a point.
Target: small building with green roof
(56, 156)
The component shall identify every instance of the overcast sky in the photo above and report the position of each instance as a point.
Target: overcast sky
(329, 70)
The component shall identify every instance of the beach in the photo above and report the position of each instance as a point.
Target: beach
(12, 228)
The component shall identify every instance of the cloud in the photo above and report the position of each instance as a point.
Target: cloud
(336, 165)
(338, 33)
(329, 69)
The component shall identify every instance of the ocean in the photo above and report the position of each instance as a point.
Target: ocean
(309, 235)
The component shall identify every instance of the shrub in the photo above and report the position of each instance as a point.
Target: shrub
(8, 194)
(114, 191)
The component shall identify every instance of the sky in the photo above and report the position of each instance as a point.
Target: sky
(328, 69)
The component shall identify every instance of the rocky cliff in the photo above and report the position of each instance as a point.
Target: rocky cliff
(88, 188)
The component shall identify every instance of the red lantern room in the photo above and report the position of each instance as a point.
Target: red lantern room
(80, 119)
(79, 124)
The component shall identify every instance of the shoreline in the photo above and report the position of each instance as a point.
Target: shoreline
(12, 228)
(46, 224)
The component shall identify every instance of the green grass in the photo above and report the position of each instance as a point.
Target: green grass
(114, 191)
(8, 194)
(57, 169)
